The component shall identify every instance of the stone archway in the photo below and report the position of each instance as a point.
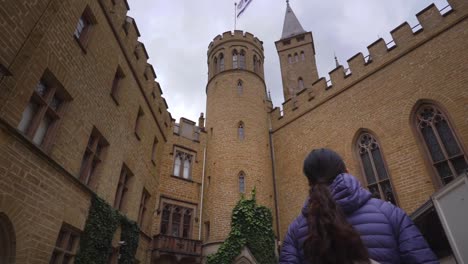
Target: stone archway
(7, 240)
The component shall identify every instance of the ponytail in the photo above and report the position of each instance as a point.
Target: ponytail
(331, 239)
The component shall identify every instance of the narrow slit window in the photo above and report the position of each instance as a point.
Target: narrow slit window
(240, 131)
(138, 123)
(240, 87)
(300, 84)
(242, 182)
(116, 85)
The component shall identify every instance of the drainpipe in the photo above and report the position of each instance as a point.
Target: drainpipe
(201, 196)
(272, 154)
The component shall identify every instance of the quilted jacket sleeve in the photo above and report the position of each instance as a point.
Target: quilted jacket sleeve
(412, 245)
(289, 251)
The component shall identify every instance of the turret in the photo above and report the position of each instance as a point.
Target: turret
(296, 52)
(238, 152)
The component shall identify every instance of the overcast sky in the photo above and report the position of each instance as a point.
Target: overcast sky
(176, 34)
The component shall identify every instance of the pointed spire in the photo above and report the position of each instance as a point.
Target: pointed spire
(291, 26)
(336, 61)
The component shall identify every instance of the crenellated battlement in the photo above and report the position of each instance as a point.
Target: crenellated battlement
(137, 56)
(381, 53)
(237, 35)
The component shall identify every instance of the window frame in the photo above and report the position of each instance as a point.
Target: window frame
(83, 37)
(123, 187)
(241, 131)
(138, 123)
(94, 152)
(240, 87)
(145, 197)
(241, 182)
(242, 60)
(60, 251)
(378, 182)
(170, 221)
(235, 59)
(116, 87)
(427, 156)
(45, 109)
(221, 62)
(300, 84)
(185, 155)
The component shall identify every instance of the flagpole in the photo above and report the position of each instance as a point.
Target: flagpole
(235, 15)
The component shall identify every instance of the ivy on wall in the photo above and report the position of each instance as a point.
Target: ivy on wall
(96, 240)
(251, 226)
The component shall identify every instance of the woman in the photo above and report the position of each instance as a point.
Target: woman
(340, 220)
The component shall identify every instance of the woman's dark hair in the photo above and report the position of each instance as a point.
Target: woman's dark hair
(331, 238)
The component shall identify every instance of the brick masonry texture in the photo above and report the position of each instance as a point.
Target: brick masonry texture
(40, 190)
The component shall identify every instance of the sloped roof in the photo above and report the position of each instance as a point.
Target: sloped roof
(291, 26)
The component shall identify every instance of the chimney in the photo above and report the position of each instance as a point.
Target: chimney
(201, 122)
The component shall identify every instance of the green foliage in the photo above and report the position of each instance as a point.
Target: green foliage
(130, 234)
(96, 240)
(251, 226)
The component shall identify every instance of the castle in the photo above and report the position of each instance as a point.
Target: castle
(84, 126)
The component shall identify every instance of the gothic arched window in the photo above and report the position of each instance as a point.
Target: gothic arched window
(221, 62)
(242, 60)
(240, 130)
(300, 83)
(234, 59)
(240, 87)
(182, 164)
(296, 57)
(302, 55)
(447, 156)
(373, 166)
(290, 59)
(242, 182)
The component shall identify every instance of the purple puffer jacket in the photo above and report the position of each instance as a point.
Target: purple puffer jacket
(387, 232)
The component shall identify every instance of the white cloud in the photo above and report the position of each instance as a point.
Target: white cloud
(177, 33)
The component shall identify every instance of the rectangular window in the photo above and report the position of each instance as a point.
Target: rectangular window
(84, 27)
(138, 123)
(176, 221)
(116, 84)
(143, 207)
(154, 151)
(45, 108)
(92, 157)
(122, 188)
(183, 164)
(66, 246)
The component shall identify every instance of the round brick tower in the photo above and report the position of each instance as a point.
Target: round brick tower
(238, 152)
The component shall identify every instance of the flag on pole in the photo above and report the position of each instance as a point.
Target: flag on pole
(242, 6)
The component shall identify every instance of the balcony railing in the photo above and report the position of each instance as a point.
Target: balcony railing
(177, 245)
